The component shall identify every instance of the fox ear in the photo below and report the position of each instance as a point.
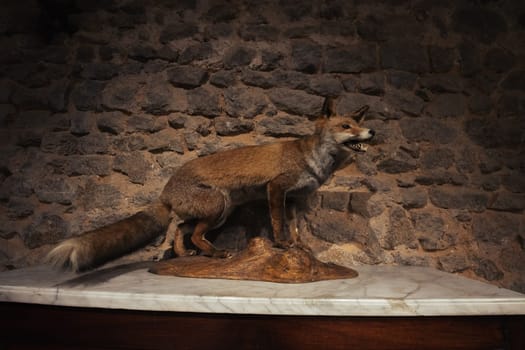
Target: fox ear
(359, 115)
(328, 107)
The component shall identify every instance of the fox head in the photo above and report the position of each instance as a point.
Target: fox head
(345, 130)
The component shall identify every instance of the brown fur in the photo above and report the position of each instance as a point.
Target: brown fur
(96, 247)
(207, 189)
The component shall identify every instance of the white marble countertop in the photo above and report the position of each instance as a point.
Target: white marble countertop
(378, 291)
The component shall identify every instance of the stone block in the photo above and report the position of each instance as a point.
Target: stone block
(227, 126)
(514, 182)
(442, 59)
(427, 129)
(146, 123)
(306, 56)
(431, 232)
(495, 227)
(88, 165)
(359, 204)
(67, 144)
(499, 60)
(198, 124)
(98, 195)
(134, 165)
(406, 102)
(244, 102)
(441, 177)
(453, 263)
(401, 79)
(505, 201)
(112, 122)
(19, 208)
(480, 103)
(447, 105)
(55, 190)
(198, 52)
(161, 99)
(404, 56)
(290, 79)
(502, 132)
(448, 197)
(441, 83)
(259, 79)
(286, 126)
(487, 269)
(203, 101)
(400, 230)
(259, 32)
(473, 21)
(121, 94)
(238, 56)
(325, 86)
(372, 84)
(46, 228)
(155, 66)
(222, 13)
(142, 52)
(99, 71)
(337, 227)
(187, 77)
(515, 81)
(437, 158)
(27, 98)
(87, 95)
(470, 58)
(296, 102)
(349, 103)
(223, 78)
(350, 59)
(15, 185)
(176, 31)
(412, 198)
(336, 200)
(167, 140)
(511, 104)
(81, 123)
(388, 26)
(270, 60)
(396, 165)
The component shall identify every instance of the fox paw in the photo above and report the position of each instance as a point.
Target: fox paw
(284, 244)
(221, 254)
(163, 255)
(187, 252)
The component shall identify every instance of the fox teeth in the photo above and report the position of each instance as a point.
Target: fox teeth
(360, 147)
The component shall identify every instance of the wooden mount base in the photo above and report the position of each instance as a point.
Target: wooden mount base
(260, 261)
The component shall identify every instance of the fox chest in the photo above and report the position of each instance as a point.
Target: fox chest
(306, 184)
(317, 169)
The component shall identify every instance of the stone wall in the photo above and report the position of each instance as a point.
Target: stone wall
(101, 100)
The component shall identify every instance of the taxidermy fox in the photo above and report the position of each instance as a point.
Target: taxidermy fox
(206, 190)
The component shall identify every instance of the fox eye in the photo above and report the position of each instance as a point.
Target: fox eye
(346, 126)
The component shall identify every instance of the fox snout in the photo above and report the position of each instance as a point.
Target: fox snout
(367, 134)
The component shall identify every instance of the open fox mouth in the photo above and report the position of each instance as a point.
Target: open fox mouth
(356, 146)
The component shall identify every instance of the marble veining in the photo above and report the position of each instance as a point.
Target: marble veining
(378, 291)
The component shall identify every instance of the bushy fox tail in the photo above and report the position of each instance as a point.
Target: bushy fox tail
(96, 247)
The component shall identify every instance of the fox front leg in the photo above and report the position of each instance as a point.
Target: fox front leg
(276, 201)
(291, 218)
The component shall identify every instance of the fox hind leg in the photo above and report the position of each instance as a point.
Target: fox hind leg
(198, 238)
(208, 207)
(178, 240)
